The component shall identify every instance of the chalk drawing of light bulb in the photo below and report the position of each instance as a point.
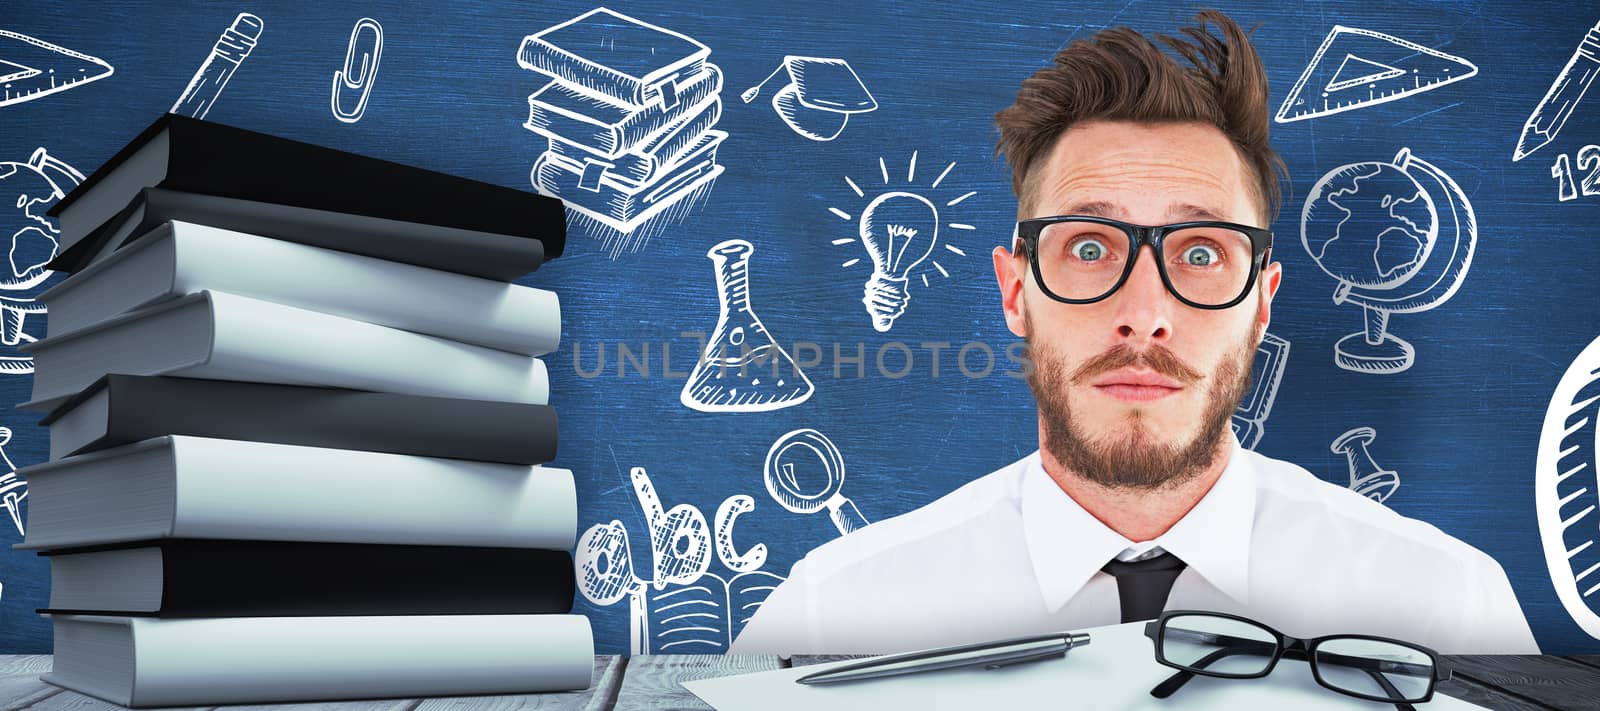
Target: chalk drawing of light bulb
(900, 229)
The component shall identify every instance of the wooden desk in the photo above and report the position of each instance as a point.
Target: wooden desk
(1515, 683)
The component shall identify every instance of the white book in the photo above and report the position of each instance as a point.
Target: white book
(181, 258)
(178, 486)
(143, 662)
(221, 336)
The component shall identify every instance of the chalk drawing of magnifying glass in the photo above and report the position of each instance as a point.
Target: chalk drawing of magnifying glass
(808, 448)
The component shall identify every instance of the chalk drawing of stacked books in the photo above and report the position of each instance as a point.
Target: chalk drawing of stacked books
(629, 112)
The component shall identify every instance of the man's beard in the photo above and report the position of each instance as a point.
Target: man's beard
(1128, 457)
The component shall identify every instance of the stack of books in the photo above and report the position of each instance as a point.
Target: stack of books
(629, 112)
(298, 425)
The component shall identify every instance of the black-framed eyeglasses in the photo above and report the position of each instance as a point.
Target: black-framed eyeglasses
(1080, 259)
(1233, 647)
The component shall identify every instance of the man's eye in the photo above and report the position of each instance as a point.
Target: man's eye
(1088, 250)
(1200, 256)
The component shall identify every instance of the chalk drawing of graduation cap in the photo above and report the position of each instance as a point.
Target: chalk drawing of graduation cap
(821, 94)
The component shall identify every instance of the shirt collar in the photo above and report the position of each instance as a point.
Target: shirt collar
(1067, 545)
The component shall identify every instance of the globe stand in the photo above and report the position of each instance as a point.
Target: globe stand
(1374, 350)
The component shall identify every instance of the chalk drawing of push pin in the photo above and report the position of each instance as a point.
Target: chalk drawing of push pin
(1366, 477)
(231, 49)
(807, 447)
(13, 489)
(354, 78)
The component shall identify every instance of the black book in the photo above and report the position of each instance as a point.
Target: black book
(181, 153)
(237, 578)
(481, 254)
(122, 409)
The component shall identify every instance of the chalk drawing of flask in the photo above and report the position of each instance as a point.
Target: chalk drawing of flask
(742, 368)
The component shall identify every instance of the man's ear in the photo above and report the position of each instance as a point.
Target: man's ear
(1271, 275)
(1012, 272)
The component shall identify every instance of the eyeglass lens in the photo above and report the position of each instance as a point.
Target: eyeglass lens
(1218, 646)
(1362, 666)
(1084, 260)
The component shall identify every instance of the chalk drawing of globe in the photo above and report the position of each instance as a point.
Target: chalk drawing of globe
(1369, 225)
(27, 235)
(28, 240)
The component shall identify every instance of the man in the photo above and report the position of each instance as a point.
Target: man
(1141, 339)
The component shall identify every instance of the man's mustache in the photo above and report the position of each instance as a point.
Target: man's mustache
(1157, 358)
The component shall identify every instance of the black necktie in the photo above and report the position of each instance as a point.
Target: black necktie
(1143, 585)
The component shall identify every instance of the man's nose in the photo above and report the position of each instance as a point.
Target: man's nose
(1143, 304)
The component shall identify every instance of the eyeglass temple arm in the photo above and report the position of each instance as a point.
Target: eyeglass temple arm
(1176, 681)
(1388, 688)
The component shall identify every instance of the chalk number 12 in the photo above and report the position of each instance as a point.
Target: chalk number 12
(1588, 160)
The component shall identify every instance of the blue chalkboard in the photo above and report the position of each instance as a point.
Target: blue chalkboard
(906, 404)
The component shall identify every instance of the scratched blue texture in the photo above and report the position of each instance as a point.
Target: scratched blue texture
(1461, 427)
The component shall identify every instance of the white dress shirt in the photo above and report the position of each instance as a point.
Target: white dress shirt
(1011, 554)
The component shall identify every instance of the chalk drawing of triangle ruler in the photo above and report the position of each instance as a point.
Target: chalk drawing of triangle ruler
(1355, 68)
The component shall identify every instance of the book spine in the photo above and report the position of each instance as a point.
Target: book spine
(619, 207)
(540, 56)
(513, 433)
(630, 166)
(276, 492)
(278, 659)
(552, 175)
(260, 341)
(638, 128)
(639, 166)
(550, 121)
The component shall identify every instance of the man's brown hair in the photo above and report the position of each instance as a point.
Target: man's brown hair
(1120, 75)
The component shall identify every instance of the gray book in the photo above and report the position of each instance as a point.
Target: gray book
(183, 153)
(221, 336)
(123, 409)
(181, 258)
(142, 662)
(609, 54)
(257, 491)
(487, 255)
(658, 156)
(561, 112)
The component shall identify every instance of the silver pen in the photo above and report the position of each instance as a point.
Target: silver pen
(989, 655)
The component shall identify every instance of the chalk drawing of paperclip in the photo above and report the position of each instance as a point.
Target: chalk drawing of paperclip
(785, 487)
(353, 78)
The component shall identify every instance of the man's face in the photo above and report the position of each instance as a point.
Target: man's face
(1135, 390)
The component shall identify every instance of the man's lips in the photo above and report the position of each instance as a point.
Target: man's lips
(1136, 386)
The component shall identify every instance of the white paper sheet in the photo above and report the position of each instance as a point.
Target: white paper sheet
(1115, 671)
